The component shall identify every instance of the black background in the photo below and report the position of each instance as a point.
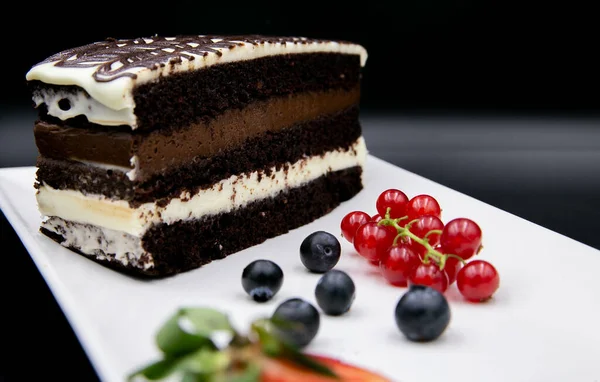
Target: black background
(494, 99)
(428, 54)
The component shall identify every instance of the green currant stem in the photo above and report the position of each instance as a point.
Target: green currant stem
(387, 213)
(433, 232)
(407, 226)
(457, 258)
(395, 242)
(438, 257)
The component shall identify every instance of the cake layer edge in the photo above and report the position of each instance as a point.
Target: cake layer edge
(200, 139)
(169, 249)
(230, 193)
(108, 71)
(312, 138)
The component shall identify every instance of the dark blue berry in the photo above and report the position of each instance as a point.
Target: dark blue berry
(422, 314)
(335, 292)
(296, 322)
(320, 251)
(262, 279)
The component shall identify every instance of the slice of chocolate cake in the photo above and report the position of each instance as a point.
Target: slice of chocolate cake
(158, 155)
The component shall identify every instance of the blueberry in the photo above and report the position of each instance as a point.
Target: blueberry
(335, 292)
(296, 322)
(422, 314)
(320, 251)
(262, 279)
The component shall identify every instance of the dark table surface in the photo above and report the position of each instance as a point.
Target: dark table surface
(544, 169)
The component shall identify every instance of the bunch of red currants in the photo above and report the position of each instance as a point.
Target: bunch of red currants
(411, 245)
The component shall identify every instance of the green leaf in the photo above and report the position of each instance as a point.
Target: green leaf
(270, 344)
(195, 366)
(174, 341)
(284, 324)
(190, 329)
(191, 377)
(157, 370)
(206, 321)
(204, 361)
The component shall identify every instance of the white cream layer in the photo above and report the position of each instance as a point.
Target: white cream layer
(101, 243)
(116, 95)
(224, 196)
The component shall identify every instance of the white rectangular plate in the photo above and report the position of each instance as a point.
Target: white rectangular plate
(542, 325)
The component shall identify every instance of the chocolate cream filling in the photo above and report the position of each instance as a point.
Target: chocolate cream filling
(317, 136)
(157, 151)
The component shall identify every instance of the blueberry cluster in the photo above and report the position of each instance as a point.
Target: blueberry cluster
(297, 321)
(422, 314)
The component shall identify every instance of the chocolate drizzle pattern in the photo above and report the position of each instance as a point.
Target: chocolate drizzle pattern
(114, 58)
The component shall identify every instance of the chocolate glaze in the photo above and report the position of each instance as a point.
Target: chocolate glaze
(190, 244)
(117, 57)
(158, 150)
(272, 149)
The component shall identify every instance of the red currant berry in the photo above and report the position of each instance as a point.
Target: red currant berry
(351, 222)
(416, 247)
(372, 240)
(394, 199)
(452, 266)
(478, 280)
(429, 275)
(422, 205)
(461, 237)
(376, 218)
(397, 264)
(427, 223)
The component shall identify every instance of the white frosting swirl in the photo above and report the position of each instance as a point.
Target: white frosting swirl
(112, 101)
